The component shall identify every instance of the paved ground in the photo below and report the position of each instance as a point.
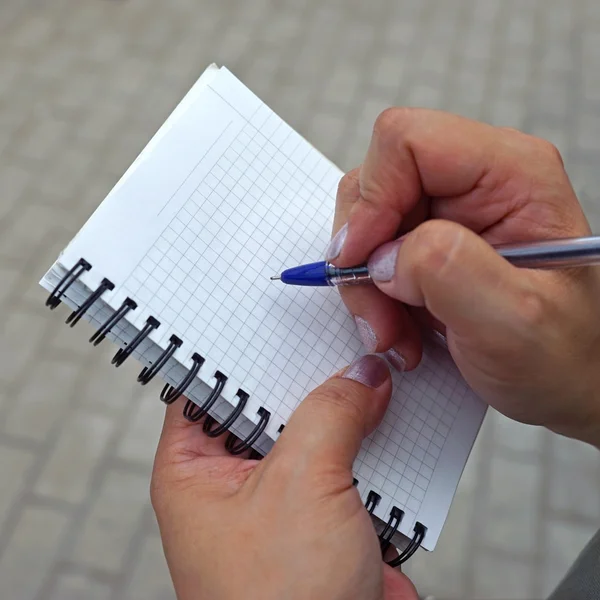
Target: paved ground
(83, 84)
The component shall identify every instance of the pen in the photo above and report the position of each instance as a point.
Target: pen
(549, 254)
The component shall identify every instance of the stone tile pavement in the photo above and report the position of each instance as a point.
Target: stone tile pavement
(84, 84)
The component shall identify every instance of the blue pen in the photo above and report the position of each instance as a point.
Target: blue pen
(549, 254)
(323, 274)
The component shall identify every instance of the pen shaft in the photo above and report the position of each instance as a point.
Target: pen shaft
(551, 254)
(554, 254)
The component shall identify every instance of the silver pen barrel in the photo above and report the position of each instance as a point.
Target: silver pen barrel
(553, 254)
(550, 254)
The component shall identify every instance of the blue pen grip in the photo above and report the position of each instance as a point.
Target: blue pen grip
(313, 274)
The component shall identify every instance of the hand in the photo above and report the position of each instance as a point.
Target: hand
(291, 526)
(527, 341)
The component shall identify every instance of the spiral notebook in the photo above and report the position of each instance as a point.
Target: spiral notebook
(174, 268)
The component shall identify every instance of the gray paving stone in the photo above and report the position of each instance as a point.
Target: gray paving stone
(501, 577)
(114, 517)
(14, 466)
(28, 226)
(70, 466)
(13, 182)
(110, 392)
(84, 84)
(30, 552)
(575, 494)
(77, 587)
(517, 440)
(9, 277)
(564, 539)
(34, 412)
(150, 578)
(143, 430)
(16, 355)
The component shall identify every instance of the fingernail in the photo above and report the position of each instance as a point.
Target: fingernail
(382, 263)
(396, 360)
(335, 246)
(370, 370)
(367, 336)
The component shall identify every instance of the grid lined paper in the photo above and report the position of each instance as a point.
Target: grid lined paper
(262, 206)
(253, 199)
(399, 459)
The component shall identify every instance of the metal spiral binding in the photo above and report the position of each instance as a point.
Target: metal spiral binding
(193, 413)
(54, 299)
(207, 426)
(385, 537)
(235, 446)
(76, 315)
(106, 327)
(392, 526)
(124, 353)
(147, 374)
(413, 546)
(169, 393)
(373, 499)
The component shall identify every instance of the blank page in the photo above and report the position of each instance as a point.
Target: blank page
(227, 196)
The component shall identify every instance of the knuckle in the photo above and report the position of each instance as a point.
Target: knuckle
(341, 400)
(550, 151)
(533, 309)
(543, 148)
(348, 184)
(328, 480)
(436, 244)
(392, 121)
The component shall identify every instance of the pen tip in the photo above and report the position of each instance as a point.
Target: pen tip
(276, 278)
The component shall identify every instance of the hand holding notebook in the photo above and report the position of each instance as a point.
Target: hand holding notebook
(292, 522)
(311, 565)
(174, 267)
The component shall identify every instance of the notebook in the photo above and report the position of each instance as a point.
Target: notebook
(174, 267)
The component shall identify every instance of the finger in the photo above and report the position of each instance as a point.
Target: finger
(382, 323)
(349, 194)
(384, 326)
(416, 153)
(455, 274)
(330, 424)
(397, 586)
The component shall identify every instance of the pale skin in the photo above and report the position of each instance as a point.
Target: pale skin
(292, 526)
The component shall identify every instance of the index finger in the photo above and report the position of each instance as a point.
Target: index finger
(417, 153)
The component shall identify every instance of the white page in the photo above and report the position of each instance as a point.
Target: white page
(228, 196)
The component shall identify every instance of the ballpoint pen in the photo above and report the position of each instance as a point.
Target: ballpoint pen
(548, 254)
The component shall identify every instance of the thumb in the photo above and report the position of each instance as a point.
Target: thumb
(397, 586)
(452, 272)
(333, 420)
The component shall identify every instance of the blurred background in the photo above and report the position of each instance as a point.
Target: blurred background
(83, 86)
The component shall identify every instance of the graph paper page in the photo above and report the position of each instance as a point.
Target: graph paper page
(228, 196)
